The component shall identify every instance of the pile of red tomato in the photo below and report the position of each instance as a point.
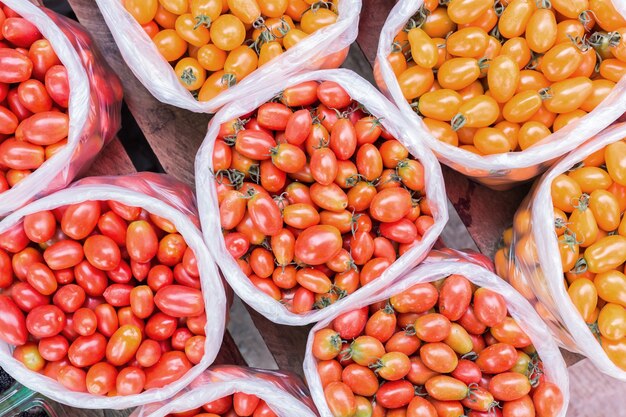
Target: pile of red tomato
(237, 405)
(444, 348)
(316, 198)
(34, 94)
(499, 77)
(103, 297)
(213, 44)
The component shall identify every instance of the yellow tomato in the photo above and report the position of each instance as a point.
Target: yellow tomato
(215, 84)
(601, 88)
(517, 48)
(424, 50)
(565, 193)
(591, 179)
(568, 95)
(515, 18)
(415, 81)
(227, 32)
(481, 111)
(465, 11)
(170, 45)
(190, 73)
(211, 57)
(606, 15)
(583, 224)
(522, 106)
(489, 141)
(564, 119)
(273, 8)
(315, 19)
(511, 131)
(246, 10)
(615, 350)
(531, 133)
(142, 10)
(206, 11)
(458, 73)
(561, 61)
(612, 321)
(241, 61)
(296, 8)
(470, 42)
(606, 254)
(177, 7)
(615, 158)
(611, 286)
(605, 209)
(584, 296)
(502, 77)
(541, 31)
(442, 131)
(440, 104)
(186, 28)
(613, 69)
(438, 24)
(292, 38)
(269, 51)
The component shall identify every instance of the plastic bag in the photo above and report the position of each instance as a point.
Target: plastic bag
(441, 264)
(361, 91)
(499, 171)
(283, 392)
(158, 76)
(94, 107)
(166, 197)
(537, 271)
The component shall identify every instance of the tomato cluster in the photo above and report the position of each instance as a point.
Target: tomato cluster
(589, 203)
(237, 405)
(500, 77)
(34, 94)
(101, 296)
(316, 198)
(214, 44)
(436, 349)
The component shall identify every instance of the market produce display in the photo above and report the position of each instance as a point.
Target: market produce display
(35, 97)
(104, 296)
(213, 44)
(442, 344)
(233, 391)
(581, 276)
(508, 75)
(316, 197)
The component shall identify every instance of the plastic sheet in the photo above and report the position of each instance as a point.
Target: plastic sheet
(168, 198)
(283, 392)
(500, 171)
(440, 265)
(94, 106)
(157, 75)
(361, 91)
(533, 265)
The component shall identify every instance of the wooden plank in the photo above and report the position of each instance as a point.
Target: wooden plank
(113, 160)
(174, 134)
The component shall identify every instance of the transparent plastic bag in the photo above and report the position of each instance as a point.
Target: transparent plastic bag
(284, 392)
(163, 196)
(500, 171)
(317, 51)
(441, 264)
(364, 93)
(532, 263)
(94, 106)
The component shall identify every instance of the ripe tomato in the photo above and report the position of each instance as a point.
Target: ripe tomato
(13, 329)
(100, 378)
(497, 358)
(340, 399)
(489, 307)
(170, 367)
(123, 345)
(87, 350)
(395, 394)
(45, 321)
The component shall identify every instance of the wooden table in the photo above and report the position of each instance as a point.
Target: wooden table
(174, 136)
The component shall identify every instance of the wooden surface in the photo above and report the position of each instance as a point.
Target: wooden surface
(174, 136)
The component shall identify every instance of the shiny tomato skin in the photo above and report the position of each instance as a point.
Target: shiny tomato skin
(53, 348)
(455, 297)
(170, 367)
(130, 381)
(107, 320)
(123, 345)
(87, 350)
(318, 244)
(395, 394)
(489, 307)
(160, 326)
(40, 227)
(13, 328)
(72, 378)
(69, 298)
(390, 205)
(45, 321)
(340, 399)
(26, 297)
(102, 252)
(91, 279)
(351, 324)
(141, 241)
(509, 386)
(63, 254)
(179, 301)
(79, 220)
(548, 400)
(101, 378)
(41, 278)
(245, 404)
(497, 358)
(85, 321)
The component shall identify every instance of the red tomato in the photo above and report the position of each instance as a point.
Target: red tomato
(69, 298)
(26, 297)
(497, 358)
(33, 95)
(53, 348)
(254, 144)
(265, 214)
(16, 67)
(395, 394)
(141, 241)
(509, 386)
(298, 127)
(160, 326)
(87, 350)
(171, 249)
(179, 301)
(333, 95)
(102, 252)
(107, 320)
(72, 378)
(391, 204)
(12, 322)
(20, 32)
(489, 307)
(57, 85)
(170, 367)
(318, 244)
(548, 400)
(79, 220)
(340, 399)
(100, 378)
(129, 381)
(245, 404)
(43, 57)
(85, 321)
(273, 116)
(40, 227)
(63, 254)
(93, 280)
(41, 278)
(194, 349)
(148, 353)
(351, 324)
(455, 296)
(417, 299)
(45, 321)
(402, 231)
(432, 327)
(343, 139)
